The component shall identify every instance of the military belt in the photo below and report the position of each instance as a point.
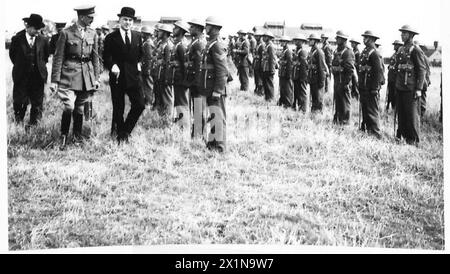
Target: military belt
(405, 67)
(337, 69)
(365, 68)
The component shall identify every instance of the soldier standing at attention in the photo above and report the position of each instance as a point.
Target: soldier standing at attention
(176, 75)
(392, 74)
(214, 74)
(268, 66)
(253, 44)
(148, 48)
(317, 73)
(354, 43)
(370, 75)
(328, 51)
(193, 69)
(285, 74)
(300, 73)
(75, 70)
(242, 56)
(29, 53)
(409, 84)
(257, 63)
(342, 68)
(52, 45)
(163, 60)
(427, 83)
(155, 67)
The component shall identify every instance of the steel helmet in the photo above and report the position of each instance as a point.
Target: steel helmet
(408, 28)
(182, 25)
(353, 40)
(259, 33)
(147, 29)
(269, 34)
(314, 36)
(197, 22)
(299, 36)
(398, 42)
(166, 28)
(341, 34)
(285, 38)
(213, 21)
(324, 35)
(241, 31)
(369, 33)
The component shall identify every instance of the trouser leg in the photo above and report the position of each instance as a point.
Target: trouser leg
(137, 107)
(217, 122)
(36, 95)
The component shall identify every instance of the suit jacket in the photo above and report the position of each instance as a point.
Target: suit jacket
(68, 70)
(116, 53)
(17, 54)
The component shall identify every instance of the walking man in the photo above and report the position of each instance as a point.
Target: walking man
(75, 70)
(29, 52)
(123, 57)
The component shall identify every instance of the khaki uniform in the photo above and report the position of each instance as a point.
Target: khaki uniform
(317, 76)
(268, 68)
(328, 51)
(285, 76)
(257, 68)
(300, 79)
(243, 63)
(76, 69)
(392, 76)
(148, 48)
(165, 91)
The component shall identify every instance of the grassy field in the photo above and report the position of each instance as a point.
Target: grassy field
(287, 178)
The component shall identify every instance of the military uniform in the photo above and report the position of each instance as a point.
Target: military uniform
(257, 68)
(357, 53)
(285, 78)
(342, 68)
(193, 69)
(411, 66)
(148, 48)
(176, 77)
(165, 91)
(214, 74)
(268, 68)
(392, 75)
(426, 84)
(155, 72)
(253, 45)
(317, 76)
(328, 52)
(369, 74)
(300, 79)
(243, 63)
(76, 70)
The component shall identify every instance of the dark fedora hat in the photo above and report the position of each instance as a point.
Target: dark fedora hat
(127, 12)
(35, 20)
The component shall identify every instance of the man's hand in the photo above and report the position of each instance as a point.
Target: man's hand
(96, 85)
(215, 94)
(54, 87)
(115, 70)
(417, 94)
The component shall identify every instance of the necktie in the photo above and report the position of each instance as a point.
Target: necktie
(127, 41)
(31, 42)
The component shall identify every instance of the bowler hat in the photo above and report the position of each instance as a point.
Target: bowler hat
(35, 20)
(127, 12)
(60, 25)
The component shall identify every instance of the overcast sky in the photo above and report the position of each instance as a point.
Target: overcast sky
(353, 16)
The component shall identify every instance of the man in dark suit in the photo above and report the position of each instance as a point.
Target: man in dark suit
(122, 56)
(29, 54)
(52, 46)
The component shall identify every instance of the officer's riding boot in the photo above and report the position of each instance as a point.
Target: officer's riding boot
(65, 125)
(77, 126)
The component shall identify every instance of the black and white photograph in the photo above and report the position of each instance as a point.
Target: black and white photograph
(232, 126)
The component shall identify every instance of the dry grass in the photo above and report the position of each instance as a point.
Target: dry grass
(287, 178)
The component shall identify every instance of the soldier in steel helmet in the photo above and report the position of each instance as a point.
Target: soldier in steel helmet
(242, 56)
(285, 74)
(75, 71)
(317, 73)
(409, 83)
(268, 65)
(252, 52)
(214, 74)
(300, 73)
(342, 67)
(328, 51)
(392, 75)
(148, 48)
(193, 80)
(176, 74)
(257, 63)
(355, 91)
(165, 91)
(427, 83)
(370, 75)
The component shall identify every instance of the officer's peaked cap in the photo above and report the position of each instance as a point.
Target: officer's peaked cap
(88, 10)
(408, 28)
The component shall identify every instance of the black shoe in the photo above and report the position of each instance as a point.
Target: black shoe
(63, 142)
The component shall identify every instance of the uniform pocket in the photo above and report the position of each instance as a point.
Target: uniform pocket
(73, 47)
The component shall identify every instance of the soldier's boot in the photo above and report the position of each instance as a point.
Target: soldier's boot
(77, 127)
(65, 125)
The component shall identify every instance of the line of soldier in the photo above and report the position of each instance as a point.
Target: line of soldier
(192, 78)
(356, 74)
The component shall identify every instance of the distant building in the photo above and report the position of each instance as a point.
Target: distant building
(433, 54)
